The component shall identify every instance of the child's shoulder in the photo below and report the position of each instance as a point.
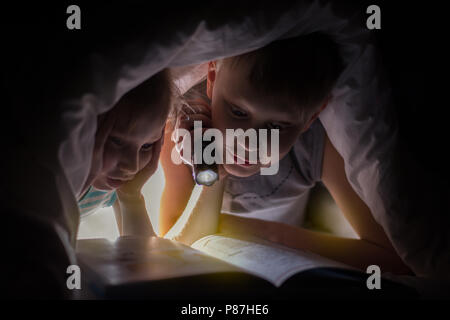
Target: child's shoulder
(95, 199)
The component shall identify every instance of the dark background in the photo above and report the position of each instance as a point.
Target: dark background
(412, 42)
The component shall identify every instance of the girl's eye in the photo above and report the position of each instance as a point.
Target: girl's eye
(238, 113)
(147, 146)
(116, 141)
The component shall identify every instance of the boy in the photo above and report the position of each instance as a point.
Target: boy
(283, 86)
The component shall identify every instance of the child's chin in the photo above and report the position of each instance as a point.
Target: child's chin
(241, 171)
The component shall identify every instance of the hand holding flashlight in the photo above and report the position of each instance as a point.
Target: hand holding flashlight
(202, 173)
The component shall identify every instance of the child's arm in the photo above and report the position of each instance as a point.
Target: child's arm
(179, 181)
(202, 220)
(354, 252)
(351, 205)
(132, 217)
(204, 217)
(118, 215)
(178, 186)
(373, 247)
(130, 211)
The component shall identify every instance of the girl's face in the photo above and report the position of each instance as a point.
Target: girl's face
(129, 146)
(235, 104)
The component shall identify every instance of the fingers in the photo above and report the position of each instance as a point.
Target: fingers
(194, 111)
(180, 145)
(135, 185)
(151, 167)
(163, 135)
(187, 121)
(157, 148)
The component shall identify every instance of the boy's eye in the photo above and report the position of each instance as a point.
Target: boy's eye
(238, 112)
(147, 146)
(116, 141)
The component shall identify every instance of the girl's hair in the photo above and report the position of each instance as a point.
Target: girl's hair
(157, 89)
(299, 71)
(186, 103)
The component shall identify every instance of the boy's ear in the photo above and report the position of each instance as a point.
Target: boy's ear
(210, 78)
(315, 115)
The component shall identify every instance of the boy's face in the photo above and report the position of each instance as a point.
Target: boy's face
(129, 146)
(235, 104)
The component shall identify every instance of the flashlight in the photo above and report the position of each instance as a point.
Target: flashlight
(205, 174)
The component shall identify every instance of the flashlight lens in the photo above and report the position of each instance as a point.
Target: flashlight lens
(207, 177)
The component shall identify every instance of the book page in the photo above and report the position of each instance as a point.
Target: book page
(134, 259)
(269, 261)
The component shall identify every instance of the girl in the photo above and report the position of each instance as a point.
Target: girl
(126, 154)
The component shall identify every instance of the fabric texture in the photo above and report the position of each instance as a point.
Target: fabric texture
(95, 199)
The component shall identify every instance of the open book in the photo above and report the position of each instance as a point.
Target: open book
(146, 265)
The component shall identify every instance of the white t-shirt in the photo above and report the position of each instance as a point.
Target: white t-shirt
(281, 197)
